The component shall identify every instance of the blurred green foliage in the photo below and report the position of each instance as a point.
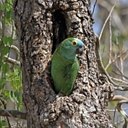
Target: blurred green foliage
(10, 74)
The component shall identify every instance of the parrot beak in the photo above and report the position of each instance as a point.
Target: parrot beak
(80, 48)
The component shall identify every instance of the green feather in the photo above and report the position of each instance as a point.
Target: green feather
(65, 65)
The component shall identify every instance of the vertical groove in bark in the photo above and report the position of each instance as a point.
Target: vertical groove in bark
(41, 25)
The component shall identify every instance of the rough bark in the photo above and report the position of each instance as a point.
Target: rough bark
(41, 25)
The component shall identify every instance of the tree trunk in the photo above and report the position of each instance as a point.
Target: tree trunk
(41, 25)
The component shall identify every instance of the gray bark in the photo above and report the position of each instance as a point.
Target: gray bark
(41, 25)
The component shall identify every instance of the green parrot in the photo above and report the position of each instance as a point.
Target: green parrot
(65, 65)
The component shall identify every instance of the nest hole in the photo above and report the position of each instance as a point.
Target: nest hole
(59, 28)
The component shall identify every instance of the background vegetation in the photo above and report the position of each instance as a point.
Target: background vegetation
(10, 72)
(111, 25)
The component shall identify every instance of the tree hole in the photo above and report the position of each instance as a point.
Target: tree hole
(59, 28)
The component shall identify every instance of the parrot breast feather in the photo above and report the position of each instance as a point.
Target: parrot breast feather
(64, 73)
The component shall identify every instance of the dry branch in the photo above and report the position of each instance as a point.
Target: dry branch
(13, 113)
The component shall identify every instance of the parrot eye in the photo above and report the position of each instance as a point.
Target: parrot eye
(74, 43)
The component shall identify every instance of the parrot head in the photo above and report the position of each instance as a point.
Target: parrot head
(70, 46)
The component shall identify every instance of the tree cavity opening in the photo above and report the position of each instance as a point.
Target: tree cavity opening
(59, 28)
